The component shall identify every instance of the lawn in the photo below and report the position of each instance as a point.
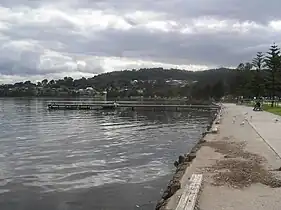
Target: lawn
(267, 107)
(274, 110)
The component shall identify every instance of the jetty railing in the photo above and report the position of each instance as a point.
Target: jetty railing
(119, 102)
(126, 104)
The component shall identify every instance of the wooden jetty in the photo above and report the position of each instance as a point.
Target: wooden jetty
(111, 105)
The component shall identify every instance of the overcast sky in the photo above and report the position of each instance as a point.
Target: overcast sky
(56, 38)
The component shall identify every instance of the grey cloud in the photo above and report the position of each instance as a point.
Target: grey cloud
(204, 48)
(253, 10)
(20, 68)
(32, 3)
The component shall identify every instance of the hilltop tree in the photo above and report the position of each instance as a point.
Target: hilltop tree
(244, 66)
(248, 66)
(273, 63)
(51, 82)
(241, 67)
(28, 84)
(44, 82)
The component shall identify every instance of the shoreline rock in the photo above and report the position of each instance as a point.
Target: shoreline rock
(181, 165)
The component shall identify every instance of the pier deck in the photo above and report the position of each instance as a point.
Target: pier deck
(96, 105)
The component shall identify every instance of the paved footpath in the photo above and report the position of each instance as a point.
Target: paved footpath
(267, 125)
(261, 134)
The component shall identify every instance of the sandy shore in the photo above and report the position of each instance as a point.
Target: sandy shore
(239, 167)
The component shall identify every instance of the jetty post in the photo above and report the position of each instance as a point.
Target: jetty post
(104, 96)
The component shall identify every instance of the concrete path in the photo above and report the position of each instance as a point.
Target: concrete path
(266, 124)
(260, 137)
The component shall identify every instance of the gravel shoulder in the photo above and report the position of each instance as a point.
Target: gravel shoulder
(240, 170)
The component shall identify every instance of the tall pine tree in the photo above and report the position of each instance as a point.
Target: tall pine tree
(258, 64)
(273, 63)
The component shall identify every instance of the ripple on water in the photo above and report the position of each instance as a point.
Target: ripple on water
(94, 178)
(69, 150)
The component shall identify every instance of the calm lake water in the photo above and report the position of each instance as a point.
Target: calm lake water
(89, 160)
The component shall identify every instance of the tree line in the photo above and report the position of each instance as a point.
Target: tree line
(147, 82)
(261, 77)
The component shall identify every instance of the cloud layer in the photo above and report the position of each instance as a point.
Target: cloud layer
(56, 38)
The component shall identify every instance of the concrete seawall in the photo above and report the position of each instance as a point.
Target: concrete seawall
(181, 165)
(240, 164)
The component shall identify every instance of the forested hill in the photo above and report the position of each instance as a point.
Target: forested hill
(143, 82)
(159, 74)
